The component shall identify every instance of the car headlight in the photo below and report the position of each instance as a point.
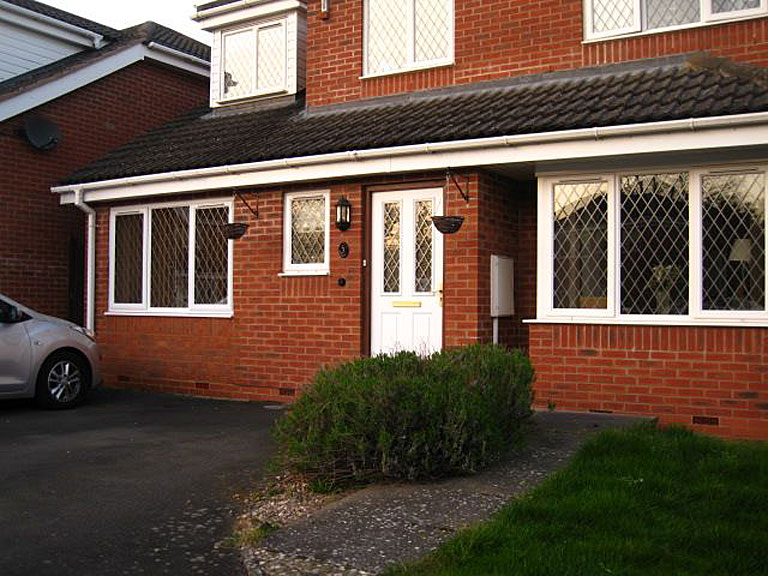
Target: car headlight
(85, 332)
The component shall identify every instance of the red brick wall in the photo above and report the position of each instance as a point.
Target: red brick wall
(35, 232)
(284, 329)
(501, 38)
(712, 379)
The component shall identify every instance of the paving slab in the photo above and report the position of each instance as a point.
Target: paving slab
(382, 525)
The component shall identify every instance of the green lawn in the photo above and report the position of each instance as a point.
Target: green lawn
(638, 501)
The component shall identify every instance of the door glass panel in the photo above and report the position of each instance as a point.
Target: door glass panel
(392, 247)
(423, 247)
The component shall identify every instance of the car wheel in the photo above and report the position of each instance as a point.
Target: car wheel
(63, 381)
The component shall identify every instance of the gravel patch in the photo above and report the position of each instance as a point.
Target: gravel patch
(369, 530)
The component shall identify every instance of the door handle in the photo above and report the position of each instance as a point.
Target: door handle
(439, 294)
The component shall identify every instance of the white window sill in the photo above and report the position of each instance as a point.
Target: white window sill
(413, 68)
(256, 96)
(292, 273)
(717, 22)
(683, 321)
(172, 314)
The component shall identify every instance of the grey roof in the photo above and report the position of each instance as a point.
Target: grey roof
(139, 34)
(644, 91)
(67, 17)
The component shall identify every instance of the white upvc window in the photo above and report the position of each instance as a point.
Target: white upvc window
(659, 247)
(403, 35)
(171, 259)
(611, 18)
(306, 233)
(253, 61)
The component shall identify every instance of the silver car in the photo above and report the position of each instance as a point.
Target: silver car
(49, 359)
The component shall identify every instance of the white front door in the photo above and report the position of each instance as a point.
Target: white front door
(407, 272)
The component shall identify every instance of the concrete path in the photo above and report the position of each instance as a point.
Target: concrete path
(384, 525)
(129, 483)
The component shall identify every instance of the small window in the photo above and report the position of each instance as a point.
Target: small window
(253, 61)
(608, 18)
(306, 233)
(171, 259)
(407, 34)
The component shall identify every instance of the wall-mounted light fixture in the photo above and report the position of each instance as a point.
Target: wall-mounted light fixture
(325, 8)
(343, 214)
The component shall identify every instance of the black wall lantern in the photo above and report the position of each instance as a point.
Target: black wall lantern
(343, 214)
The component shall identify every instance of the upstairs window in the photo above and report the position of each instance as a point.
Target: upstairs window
(253, 61)
(607, 18)
(404, 35)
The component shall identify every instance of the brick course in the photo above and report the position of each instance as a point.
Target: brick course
(501, 38)
(36, 232)
(682, 375)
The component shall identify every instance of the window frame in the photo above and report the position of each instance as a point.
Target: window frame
(706, 18)
(314, 269)
(411, 64)
(192, 309)
(254, 30)
(697, 315)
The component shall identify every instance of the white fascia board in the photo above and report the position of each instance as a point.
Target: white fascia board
(229, 14)
(674, 136)
(49, 26)
(160, 53)
(35, 97)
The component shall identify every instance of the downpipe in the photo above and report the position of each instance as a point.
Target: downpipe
(90, 264)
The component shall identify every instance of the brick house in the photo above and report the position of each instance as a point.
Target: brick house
(85, 89)
(608, 160)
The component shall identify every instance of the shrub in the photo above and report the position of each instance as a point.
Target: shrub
(407, 417)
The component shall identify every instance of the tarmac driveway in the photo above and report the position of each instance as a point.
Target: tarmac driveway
(130, 483)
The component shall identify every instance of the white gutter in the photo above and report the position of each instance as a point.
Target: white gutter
(90, 266)
(68, 32)
(431, 156)
(180, 55)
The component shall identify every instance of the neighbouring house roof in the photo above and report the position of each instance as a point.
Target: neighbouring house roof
(66, 17)
(141, 34)
(693, 86)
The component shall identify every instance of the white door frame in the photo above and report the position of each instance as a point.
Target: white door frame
(405, 319)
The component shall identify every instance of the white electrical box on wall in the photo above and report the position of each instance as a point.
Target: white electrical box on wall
(502, 286)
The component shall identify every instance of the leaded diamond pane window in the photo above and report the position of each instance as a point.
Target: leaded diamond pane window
(654, 244)
(663, 13)
(239, 58)
(406, 33)
(211, 256)
(271, 57)
(614, 17)
(254, 60)
(432, 29)
(392, 247)
(423, 246)
(610, 15)
(129, 254)
(722, 6)
(733, 241)
(581, 245)
(308, 230)
(170, 258)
